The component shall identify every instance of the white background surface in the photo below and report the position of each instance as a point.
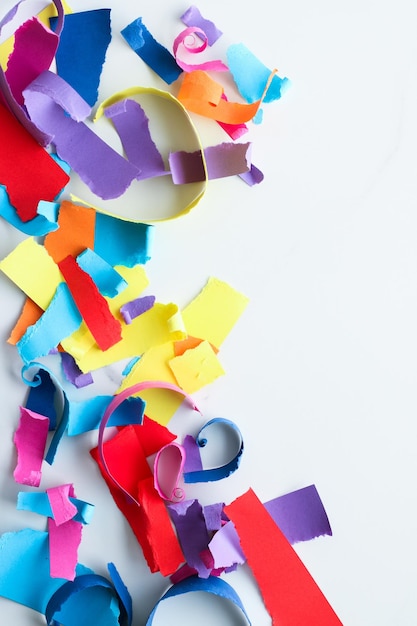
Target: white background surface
(321, 368)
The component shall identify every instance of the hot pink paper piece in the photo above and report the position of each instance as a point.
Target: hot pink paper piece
(168, 466)
(63, 510)
(64, 541)
(34, 50)
(187, 39)
(30, 441)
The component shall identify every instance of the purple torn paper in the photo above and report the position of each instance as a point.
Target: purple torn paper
(192, 533)
(225, 159)
(193, 17)
(136, 307)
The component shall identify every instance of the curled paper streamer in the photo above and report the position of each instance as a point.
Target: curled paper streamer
(168, 466)
(217, 473)
(182, 40)
(216, 586)
(166, 95)
(117, 400)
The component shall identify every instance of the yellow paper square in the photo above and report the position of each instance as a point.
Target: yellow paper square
(196, 367)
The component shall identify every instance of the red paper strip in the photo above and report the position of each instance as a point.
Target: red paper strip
(290, 594)
(159, 533)
(153, 436)
(93, 307)
(29, 173)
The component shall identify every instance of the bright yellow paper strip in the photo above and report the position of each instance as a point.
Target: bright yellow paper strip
(152, 328)
(214, 312)
(31, 268)
(196, 368)
(161, 404)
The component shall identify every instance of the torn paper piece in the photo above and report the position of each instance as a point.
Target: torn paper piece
(108, 281)
(168, 466)
(73, 373)
(94, 309)
(221, 447)
(213, 514)
(253, 177)
(29, 315)
(38, 502)
(251, 75)
(188, 344)
(64, 542)
(34, 50)
(31, 268)
(153, 327)
(132, 126)
(226, 159)
(201, 94)
(191, 528)
(60, 320)
(193, 461)
(225, 547)
(30, 441)
(300, 514)
(75, 233)
(85, 415)
(161, 405)
(155, 55)
(24, 569)
(82, 50)
(41, 397)
(120, 242)
(213, 585)
(163, 551)
(26, 185)
(214, 312)
(50, 103)
(196, 368)
(62, 508)
(136, 307)
(193, 17)
(91, 600)
(44, 222)
(187, 39)
(276, 565)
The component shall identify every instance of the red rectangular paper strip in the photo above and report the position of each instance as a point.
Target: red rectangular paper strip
(93, 307)
(28, 172)
(291, 595)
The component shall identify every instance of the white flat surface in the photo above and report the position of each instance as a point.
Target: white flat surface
(321, 368)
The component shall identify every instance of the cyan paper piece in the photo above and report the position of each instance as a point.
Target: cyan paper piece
(155, 55)
(38, 502)
(59, 321)
(214, 585)
(120, 242)
(45, 222)
(57, 109)
(87, 414)
(132, 126)
(24, 569)
(82, 50)
(108, 281)
(193, 17)
(251, 75)
(300, 514)
(136, 307)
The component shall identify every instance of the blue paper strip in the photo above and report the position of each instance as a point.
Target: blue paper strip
(214, 585)
(38, 502)
(108, 281)
(82, 50)
(159, 59)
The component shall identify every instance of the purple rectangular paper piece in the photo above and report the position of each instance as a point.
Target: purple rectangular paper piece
(222, 160)
(193, 17)
(132, 126)
(300, 514)
(192, 533)
(193, 461)
(136, 307)
(253, 177)
(213, 514)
